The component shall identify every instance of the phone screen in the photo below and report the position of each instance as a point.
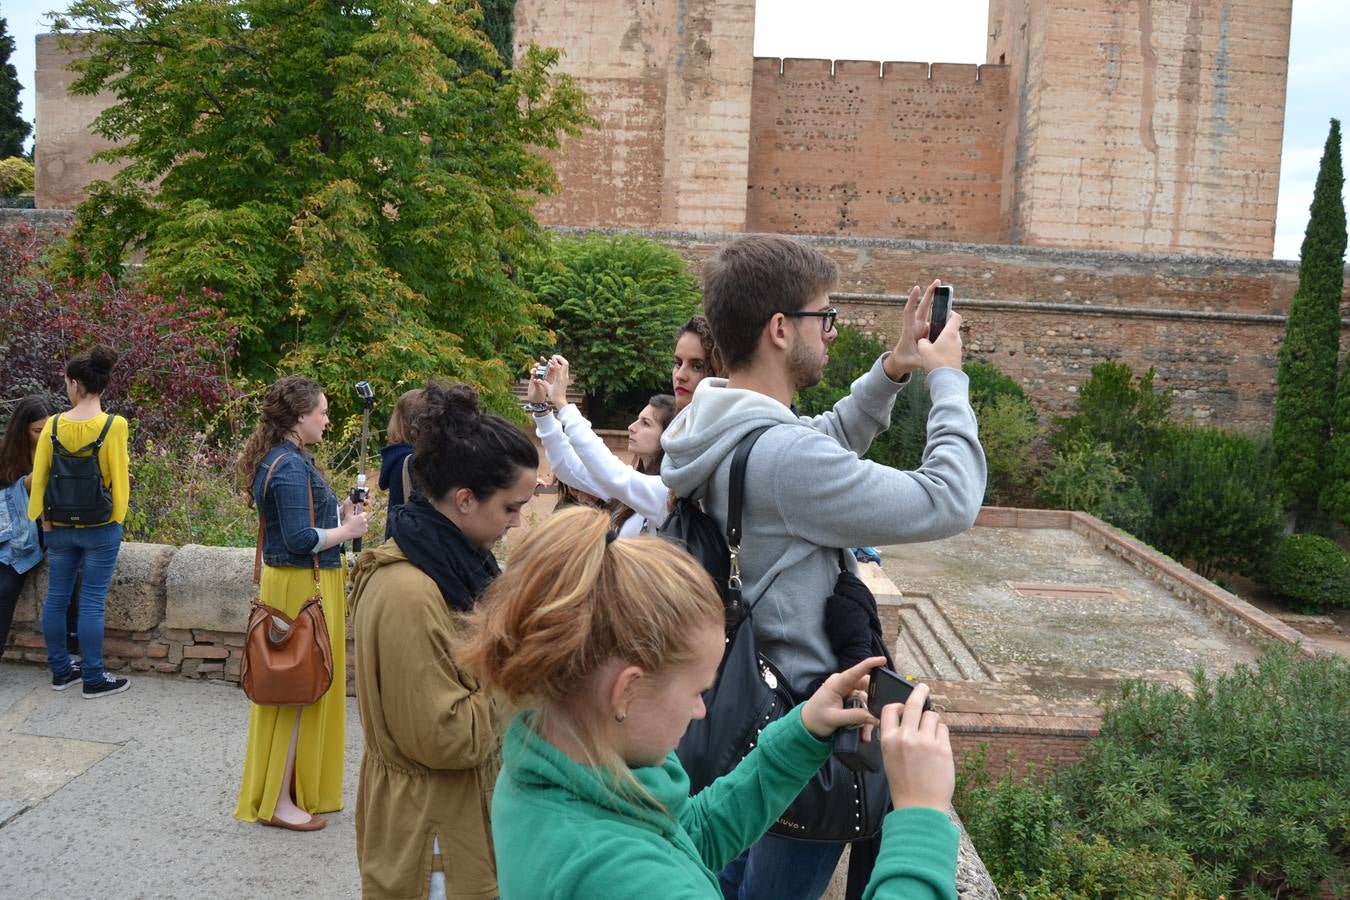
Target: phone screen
(942, 307)
(886, 687)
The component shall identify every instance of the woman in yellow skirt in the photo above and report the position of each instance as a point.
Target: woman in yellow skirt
(293, 764)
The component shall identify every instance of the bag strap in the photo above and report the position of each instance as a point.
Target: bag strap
(93, 446)
(735, 503)
(407, 482)
(257, 554)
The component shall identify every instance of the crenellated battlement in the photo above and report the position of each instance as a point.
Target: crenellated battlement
(801, 69)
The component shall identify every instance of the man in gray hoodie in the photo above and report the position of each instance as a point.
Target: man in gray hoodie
(807, 491)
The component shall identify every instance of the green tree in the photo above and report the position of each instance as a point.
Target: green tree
(13, 129)
(1212, 502)
(1307, 374)
(355, 182)
(1127, 415)
(1335, 498)
(617, 302)
(16, 176)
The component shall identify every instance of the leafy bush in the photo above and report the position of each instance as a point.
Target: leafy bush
(1213, 505)
(987, 384)
(1312, 572)
(617, 302)
(1114, 409)
(1087, 477)
(1240, 784)
(16, 176)
(174, 349)
(187, 495)
(1009, 432)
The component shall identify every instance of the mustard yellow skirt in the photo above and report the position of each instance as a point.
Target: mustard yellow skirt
(319, 751)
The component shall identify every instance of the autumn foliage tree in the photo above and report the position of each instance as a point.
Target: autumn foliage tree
(354, 182)
(174, 349)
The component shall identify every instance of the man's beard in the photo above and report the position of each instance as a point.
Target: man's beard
(806, 367)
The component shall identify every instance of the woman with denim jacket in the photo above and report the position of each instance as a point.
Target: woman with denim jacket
(20, 544)
(294, 759)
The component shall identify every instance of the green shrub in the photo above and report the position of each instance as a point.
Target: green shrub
(1009, 432)
(1213, 505)
(1084, 476)
(16, 176)
(1238, 785)
(187, 495)
(1248, 773)
(987, 384)
(617, 302)
(1114, 409)
(1312, 572)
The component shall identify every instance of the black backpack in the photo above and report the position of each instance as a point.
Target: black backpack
(75, 493)
(697, 532)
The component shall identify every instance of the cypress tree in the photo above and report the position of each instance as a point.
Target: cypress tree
(13, 129)
(1336, 494)
(1307, 374)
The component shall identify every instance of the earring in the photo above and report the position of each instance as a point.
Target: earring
(619, 717)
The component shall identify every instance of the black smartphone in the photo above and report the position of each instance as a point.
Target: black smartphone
(942, 308)
(886, 687)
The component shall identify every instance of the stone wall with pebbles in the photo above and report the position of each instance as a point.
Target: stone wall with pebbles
(173, 610)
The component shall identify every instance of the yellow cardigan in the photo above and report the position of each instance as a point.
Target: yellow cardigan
(113, 460)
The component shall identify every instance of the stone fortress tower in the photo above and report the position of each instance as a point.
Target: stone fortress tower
(1131, 125)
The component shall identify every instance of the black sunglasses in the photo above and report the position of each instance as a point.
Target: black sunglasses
(826, 316)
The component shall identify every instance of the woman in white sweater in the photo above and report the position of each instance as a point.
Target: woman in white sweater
(635, 495)
(579, 457)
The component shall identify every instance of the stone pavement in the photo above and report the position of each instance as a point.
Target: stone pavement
(130, 797)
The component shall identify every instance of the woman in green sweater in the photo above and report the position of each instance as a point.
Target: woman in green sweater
(606, 646)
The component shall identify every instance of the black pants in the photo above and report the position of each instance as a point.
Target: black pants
(11, 584)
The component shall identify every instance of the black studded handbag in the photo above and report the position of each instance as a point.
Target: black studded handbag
(837, 805)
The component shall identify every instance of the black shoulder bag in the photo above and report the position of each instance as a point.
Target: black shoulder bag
(75, 492)
(837, 805)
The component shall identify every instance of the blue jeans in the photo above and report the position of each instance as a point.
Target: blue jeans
(68, 549)
(776, 868)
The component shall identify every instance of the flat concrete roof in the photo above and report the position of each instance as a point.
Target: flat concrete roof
(1044, 620)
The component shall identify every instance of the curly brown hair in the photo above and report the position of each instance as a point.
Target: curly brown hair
(698, 325)
(285, 402)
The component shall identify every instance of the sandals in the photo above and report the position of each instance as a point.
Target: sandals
(315, 823)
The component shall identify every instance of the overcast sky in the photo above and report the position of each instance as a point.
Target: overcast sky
(954, 31)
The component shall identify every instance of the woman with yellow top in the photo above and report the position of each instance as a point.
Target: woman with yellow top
(293, 761)
(86, 430)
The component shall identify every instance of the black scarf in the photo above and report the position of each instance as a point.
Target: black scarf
(436, 546)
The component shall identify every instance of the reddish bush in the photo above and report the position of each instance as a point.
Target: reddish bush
(174, 349)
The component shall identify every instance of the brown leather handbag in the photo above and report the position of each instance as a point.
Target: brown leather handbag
(287, 661)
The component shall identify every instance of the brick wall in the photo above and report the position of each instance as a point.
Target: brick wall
(670, 87)
(1140, 126)
(1046, 742)
(63, 142)
(872, 149)
(1210, 326)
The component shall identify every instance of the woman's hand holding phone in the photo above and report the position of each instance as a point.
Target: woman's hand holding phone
(917, 751)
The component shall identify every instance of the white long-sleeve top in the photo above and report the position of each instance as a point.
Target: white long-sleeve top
(579, 457)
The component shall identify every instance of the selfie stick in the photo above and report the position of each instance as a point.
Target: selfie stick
(359, 493)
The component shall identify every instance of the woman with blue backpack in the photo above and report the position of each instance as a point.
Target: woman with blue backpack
(80, 486)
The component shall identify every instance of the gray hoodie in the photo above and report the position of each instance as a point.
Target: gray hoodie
(807, 494)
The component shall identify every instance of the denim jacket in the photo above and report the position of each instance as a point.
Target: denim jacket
(19, 546)
(288, 539)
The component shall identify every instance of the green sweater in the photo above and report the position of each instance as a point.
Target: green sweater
(561, 829)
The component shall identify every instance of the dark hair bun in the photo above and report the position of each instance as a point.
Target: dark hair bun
(102, 358)
(457, 443)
